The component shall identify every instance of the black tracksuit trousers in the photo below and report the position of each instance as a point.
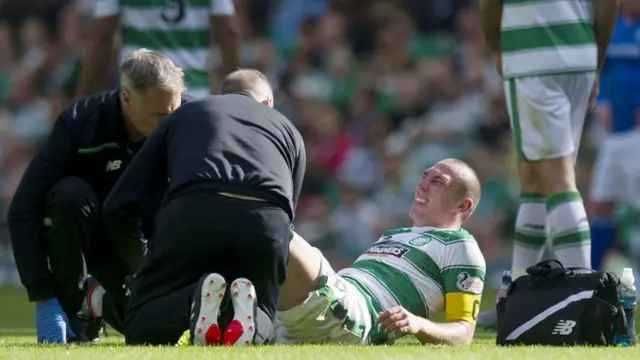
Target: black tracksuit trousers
(77, 242)
(201, 232)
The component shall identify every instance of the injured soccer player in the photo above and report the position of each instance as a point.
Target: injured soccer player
(396, 285)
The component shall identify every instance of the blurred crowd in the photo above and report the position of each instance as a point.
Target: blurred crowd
(380, 89)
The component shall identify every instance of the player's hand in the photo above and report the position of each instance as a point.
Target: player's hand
(398, 320)
(594, 93)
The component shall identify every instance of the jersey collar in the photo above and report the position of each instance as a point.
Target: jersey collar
(430, 228)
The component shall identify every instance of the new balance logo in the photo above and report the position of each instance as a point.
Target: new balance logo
(564, 327)
(113, 165)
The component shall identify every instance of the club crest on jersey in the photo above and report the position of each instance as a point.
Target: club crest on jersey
(420, 240)
(387, 250)
(468, 283)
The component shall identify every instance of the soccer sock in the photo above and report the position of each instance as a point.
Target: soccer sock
(569, 229)
(94, 300)
(603, 235)
(530, 234)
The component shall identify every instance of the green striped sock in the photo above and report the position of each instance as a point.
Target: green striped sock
(530, 234)
(569, 229)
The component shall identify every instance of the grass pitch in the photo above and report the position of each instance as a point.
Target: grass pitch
(17, 341)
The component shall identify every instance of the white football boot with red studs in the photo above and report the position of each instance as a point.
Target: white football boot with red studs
(206, 330)
(242, 328)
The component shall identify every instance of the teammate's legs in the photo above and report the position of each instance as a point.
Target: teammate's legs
(72, 210)
(568, 221)
(530, 234)
(545, 117)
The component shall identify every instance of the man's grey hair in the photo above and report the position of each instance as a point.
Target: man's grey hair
(250, 81)
(146, 69)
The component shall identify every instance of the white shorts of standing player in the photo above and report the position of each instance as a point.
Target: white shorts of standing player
(547, 113)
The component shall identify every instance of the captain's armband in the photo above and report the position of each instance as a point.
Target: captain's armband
(462, 306)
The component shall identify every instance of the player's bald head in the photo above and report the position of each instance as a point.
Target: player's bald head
(466, 183)
(249, 81)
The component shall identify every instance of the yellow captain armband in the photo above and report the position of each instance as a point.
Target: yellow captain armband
(462, 306)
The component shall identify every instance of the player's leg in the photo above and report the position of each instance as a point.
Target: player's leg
(72, 210)
(530, 234)
(559, 112)
(303, 273)
(316, 303)
(606, 186)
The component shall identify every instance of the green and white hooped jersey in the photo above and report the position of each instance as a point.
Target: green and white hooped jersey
(177, 28)
(415, 268)
(543, 37)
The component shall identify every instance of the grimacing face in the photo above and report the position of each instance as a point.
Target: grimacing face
(148, 109)
(435, 199)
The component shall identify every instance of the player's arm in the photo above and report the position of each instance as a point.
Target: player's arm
(461, 312)
(226, 33)
(400, 321)
(463, 282)
(123, 208)
(606, 12)
(97, 52)
(491, 17)
(26, 215)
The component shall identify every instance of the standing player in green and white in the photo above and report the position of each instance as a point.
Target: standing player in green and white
(549, 53)
(403, 279)
(184, 30)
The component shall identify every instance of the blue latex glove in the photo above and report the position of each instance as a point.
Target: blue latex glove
(52, 324)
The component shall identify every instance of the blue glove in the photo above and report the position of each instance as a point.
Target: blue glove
(52, 324)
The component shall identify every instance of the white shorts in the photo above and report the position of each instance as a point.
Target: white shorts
(616, 174)
(335, 313)
(547, 113)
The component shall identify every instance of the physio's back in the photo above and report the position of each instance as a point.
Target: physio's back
(233, 141)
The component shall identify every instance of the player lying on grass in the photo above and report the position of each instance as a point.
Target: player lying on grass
(400, 281)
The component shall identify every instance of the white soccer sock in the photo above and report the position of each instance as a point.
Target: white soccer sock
(530, 234)
(94, 300)
(569, 229)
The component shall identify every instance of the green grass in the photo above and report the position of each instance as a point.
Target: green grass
(17, 341)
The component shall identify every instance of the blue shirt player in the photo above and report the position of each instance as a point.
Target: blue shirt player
(616, 176)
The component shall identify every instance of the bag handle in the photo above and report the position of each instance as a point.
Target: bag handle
(546, 269)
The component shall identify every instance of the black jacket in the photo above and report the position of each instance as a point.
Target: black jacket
(90, 141)
(228, 143)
